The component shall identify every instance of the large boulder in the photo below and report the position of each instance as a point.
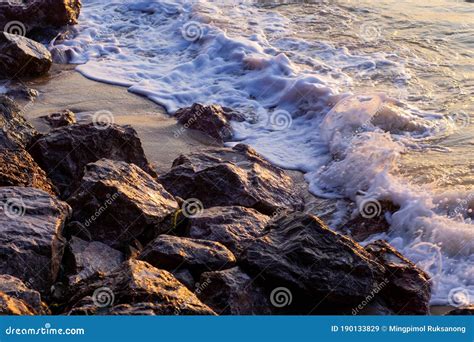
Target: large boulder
(21, 56)
(37, 14)
(84, 259)
(31, 243)
(64, 152)
(213, 120)
(118, 202)
(232, 292)
(136, 288)
(16, 288)
(231, 226)
(15, 130)
(408, 288)
(172, 252)
(317, 268)
(227, 177)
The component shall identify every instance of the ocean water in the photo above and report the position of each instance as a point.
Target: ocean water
(372, 100)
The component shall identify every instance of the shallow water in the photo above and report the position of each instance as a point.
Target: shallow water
(405, 136)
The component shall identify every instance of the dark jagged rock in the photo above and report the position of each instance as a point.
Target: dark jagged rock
(462, 311)
(118, 202)
(408, 289)
(17, 167)
(85, 259)
(60, 119)
(38, 14)
(212, 120)
(319, 268)
(14, 307)
(230, 226)
(136, 288)
(15, 288)
(15, 130)
(64, 152)
(20, 56)
(172, 252)
(232, 292)
(31, 244)
(227, 177)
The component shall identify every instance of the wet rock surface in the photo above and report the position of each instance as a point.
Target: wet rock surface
(15, 130)
(232, 292)
(212, 120)
(14, 307)
(172, 252)
(31, 244)
(137, 288)
(231, 226)
(408, 288)
(318, 267)
(232, 177)
(21, 56)
(64, 152)
(118, 202)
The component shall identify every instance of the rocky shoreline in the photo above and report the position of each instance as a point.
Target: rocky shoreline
(88, 226)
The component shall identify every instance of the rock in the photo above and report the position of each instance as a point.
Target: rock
(462, 311)
(31, 244)
(16, 131)
(64, 152)
(85, 259)
(228, 177)
(60, 119)
(35, 14)
(17, 168)
(136, 287)
(408, 288)
(21, 56)
(317, 268)
(14, 307)
(211, 120)
(232, 292)
(119, 202)
(185, 277)
(15, 288)
(171, 252)
(230, 226)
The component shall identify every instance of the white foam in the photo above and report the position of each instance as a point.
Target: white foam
(346, 149)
